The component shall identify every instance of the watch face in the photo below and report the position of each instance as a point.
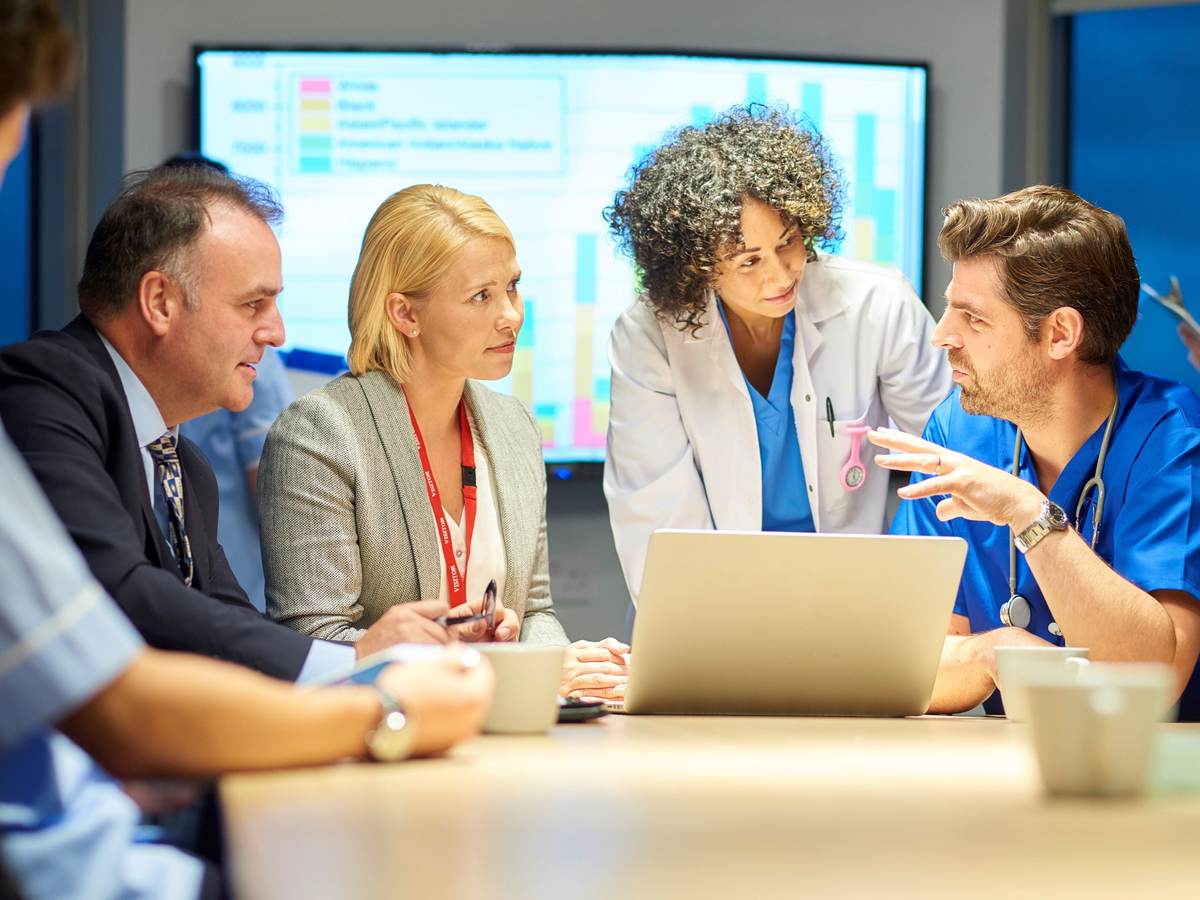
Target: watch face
(1055, 515)
(393, 739)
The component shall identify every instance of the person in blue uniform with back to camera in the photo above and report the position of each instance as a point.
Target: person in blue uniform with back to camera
(1074, 479)
(745, 377)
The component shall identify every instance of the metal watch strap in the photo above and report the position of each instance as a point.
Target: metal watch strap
(1051, 518)
(389, 742)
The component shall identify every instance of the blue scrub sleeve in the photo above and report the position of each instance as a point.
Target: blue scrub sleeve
(1156, 539)
(62, 639)
(919, 517)
(272, 394)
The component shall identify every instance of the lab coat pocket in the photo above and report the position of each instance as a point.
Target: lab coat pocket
(843, 472)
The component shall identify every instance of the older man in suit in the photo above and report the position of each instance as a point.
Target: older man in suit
(178, 300)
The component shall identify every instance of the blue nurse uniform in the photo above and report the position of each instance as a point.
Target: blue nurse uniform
(785, 505)
(1150, 529)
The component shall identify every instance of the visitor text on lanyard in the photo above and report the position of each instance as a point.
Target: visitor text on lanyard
(456, 577)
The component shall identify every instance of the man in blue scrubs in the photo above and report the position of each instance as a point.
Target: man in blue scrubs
(1044, 292)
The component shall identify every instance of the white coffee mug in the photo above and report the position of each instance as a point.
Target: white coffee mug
(1015, 666)
(1094, 733)
(527, 679)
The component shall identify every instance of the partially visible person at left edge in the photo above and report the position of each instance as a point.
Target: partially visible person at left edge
(1074, 480)
(72, 666)
(232, 442)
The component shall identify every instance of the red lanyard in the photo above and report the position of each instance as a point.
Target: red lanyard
(456, 578)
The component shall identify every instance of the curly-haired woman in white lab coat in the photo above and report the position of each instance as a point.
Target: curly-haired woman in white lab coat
(738, 376)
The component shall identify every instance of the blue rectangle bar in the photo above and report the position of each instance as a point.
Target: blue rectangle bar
(756, 88)
(545, 410)
(16, 200)
(864, 180)
(314, 361)
(811, 98)
(884, 213)
(525, 335)
(585, 268)
(310, 164)
(315, 144)
(602, 388)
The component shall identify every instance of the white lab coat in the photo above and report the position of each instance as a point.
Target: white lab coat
(682, 437)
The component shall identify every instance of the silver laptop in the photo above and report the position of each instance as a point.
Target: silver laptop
(754, 623)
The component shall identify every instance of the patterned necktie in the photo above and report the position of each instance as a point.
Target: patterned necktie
(167, 463)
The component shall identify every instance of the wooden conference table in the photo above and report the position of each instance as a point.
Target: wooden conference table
(708, 807)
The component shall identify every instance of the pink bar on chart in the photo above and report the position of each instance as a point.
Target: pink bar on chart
(315, 85)
(584, 436)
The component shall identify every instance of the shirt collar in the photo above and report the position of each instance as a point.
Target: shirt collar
(148, 422)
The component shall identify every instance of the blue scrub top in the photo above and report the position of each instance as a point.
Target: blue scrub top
(1150, 530)
(785, 505)
(66, 828)
(232, 442)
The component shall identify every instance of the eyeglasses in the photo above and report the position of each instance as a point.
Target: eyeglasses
(487, 616)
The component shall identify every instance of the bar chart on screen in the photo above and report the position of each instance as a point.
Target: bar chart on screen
(546, 139)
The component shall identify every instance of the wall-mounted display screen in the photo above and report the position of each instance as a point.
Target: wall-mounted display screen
(547, 138)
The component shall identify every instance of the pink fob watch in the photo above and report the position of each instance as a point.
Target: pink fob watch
(854, 473)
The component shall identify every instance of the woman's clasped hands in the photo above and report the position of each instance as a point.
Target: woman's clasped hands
(595, 670)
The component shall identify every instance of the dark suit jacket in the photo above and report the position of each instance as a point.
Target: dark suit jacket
(62, 403)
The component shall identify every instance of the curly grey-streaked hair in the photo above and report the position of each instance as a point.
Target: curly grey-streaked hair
(681, 211)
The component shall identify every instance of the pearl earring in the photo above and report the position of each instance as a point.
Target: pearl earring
(415, 332)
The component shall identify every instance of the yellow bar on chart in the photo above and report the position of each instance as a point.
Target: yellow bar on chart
(315, 123)
(317, 105)
(864, 239)
(585, 320)
(600, 417)
(522, 376)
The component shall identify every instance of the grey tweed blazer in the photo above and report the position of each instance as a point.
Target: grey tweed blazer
(346, 527)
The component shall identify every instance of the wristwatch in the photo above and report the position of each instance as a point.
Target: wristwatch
(392, 739)
(1051, 518)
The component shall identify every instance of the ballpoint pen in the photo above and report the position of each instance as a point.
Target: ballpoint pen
(829, 416)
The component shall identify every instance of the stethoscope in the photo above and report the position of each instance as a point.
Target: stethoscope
(1016, 611)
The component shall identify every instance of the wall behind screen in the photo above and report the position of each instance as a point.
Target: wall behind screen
(962, 39)
(1135, 140)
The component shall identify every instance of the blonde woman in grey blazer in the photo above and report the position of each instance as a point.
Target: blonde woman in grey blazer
(350, 530)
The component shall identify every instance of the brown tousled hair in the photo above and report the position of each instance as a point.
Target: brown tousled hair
(1053, 249)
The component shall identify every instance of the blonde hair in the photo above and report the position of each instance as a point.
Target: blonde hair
(407, 249)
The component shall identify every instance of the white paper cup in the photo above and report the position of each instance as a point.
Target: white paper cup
(527, 679)
(1016, 665)
(1094, 733)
